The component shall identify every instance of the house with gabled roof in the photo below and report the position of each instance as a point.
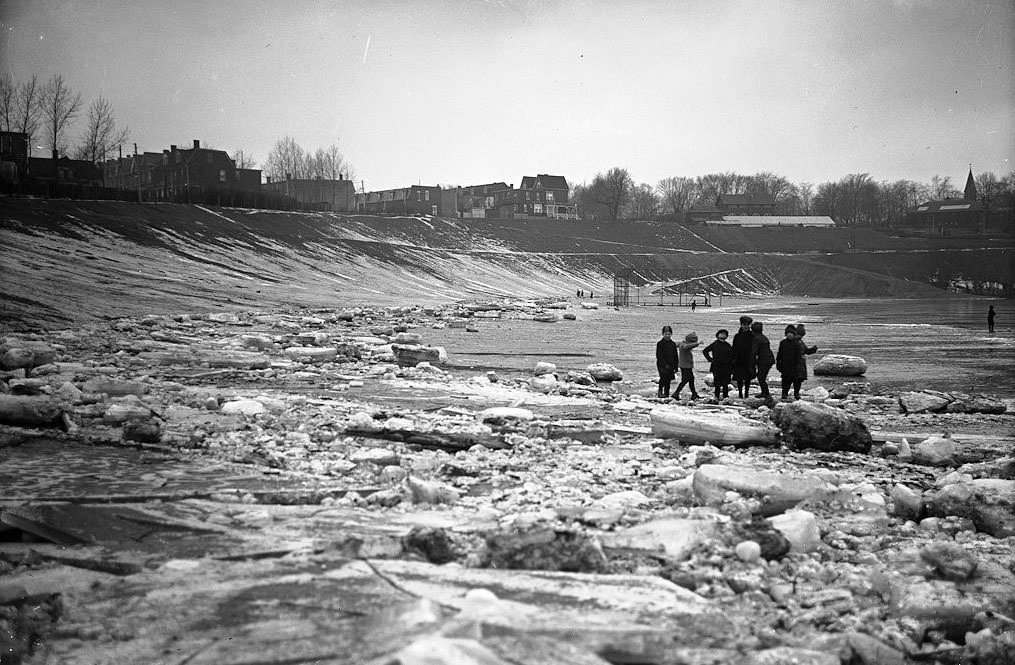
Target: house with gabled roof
(952, 216)
(475, 200)
(747, 204)
(542, 195)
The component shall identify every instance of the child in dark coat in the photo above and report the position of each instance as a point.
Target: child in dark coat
(720, 354)
(786, 359)
(685, 362)
(791, 361)
(743, 344)
(762, 358)
(666, 361)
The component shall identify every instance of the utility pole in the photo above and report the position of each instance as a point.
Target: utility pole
(137, 174)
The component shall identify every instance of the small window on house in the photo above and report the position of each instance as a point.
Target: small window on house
(222, 175)
(549, 197)
(426, 195)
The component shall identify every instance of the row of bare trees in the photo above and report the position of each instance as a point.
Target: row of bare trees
(288, 159)
(46, 112)
(856, 199)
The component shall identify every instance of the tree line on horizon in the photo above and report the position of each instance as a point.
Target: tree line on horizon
(48, 111)
(856, 199)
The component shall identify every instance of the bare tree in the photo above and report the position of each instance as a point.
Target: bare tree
(713, 185)
(676, 194)
(329, 163)
(27, 109)
(988, 187)
(612, 190)
(101, 136)
(942, 188)
(59, 107)
(776, 186)
(243, 160)
(8, 102)
(644, 203)
(287, 160)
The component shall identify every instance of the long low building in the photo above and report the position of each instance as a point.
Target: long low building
(772, 220)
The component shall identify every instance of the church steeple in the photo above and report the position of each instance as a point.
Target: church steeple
(970, 191)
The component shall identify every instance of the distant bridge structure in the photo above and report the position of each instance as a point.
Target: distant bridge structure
(702, 288)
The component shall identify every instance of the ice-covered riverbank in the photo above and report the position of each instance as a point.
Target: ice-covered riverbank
(272, 487)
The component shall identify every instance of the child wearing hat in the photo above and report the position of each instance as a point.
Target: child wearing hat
(786, 359)
(762, 358)
(720, 354)
(666, 361)
(743, 343)
(685, 361)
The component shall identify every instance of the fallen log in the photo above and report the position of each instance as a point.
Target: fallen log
(450, 441)
(719, 429)
(30, 411)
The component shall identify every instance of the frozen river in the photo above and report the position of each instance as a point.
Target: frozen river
(939, 344)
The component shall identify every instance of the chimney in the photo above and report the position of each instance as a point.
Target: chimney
(197, 144)
(172, 148)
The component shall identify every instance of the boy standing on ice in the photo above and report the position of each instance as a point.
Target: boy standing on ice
(685, 361)
(666, 361)
(720, 354)
(761, 357)
(743, 344)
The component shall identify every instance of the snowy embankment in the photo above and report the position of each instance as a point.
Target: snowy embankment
(67, 262)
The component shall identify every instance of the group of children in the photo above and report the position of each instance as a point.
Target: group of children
(748, 357)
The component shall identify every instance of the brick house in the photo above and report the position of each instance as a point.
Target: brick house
(193, 173)
(132, 173)
(747, 204)
(65, 171)
(476, 200)
(542, 195)
(416, 199)
(13, 156)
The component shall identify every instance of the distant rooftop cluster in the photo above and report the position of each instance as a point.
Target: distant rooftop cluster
(197, 174)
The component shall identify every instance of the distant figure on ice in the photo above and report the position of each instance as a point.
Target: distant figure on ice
(720, 354)
(761, 358)
(694, 305)
(743, 344)
(990, 319)
(666, 361)
(685, 361)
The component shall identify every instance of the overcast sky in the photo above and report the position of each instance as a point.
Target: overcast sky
(467, 92)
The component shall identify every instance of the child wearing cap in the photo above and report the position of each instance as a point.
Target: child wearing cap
(685, 361)
(801, 369)
(720, 354)
(743, 343)
(786, 359)
(666, 361)
(761, 357)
